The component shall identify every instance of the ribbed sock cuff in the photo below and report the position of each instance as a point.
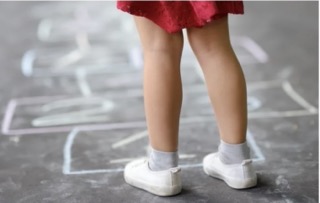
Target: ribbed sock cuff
(159, 160)
(233, 153)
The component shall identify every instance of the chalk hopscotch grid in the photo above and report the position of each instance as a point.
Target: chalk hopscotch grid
(67, 156)
(30, 56)
(307, 110)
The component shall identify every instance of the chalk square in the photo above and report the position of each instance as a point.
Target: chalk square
(66, 59)
(88, 152)
(125, 109)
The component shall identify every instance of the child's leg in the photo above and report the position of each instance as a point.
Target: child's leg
(227, 90)
(224, 78)
(162, 83)
(159, 174)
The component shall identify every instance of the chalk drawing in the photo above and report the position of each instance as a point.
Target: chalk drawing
(136, 57)
(253, 103)
(130, 139)
(67, 163)
(26, 63)
(253, 145)
(67, 155)
(83, 42)
(253, 48)
(125, 160)
(79, 116)
(44, 29)
(68, 59)
(14, 103)
(8, 116)
(83, 83)
(298, 98)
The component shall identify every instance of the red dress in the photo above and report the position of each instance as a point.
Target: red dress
(173, 16)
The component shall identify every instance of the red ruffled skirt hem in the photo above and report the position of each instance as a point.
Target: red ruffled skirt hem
(173, 16)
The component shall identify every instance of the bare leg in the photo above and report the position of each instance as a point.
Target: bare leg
(162, 83)
(224, 78)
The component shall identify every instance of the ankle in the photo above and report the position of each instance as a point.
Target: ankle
(160, 160)
(233, 153)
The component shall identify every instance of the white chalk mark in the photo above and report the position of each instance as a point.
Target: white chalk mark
(68, 59)
(253, 145)
(44, 29)
(136, 57)
(82, 172)
(83, 116)
(187, 156)
(66, 103)
(59, 120)
(253, 103)
(83, 42)
(8, 117)
(280, 114)
(254, 49)
(67, 151)
(67, 156)
(263, 84)
(107, 126)
(191, 165)
(127, 125)
(130, 139)
(298, 98)
(125, 160)
(27, 63)
(83, 83)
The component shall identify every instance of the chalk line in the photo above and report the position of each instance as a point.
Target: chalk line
(82, 172)
(125, 160)
(83, 83)
(67, 156)
(116, 161)
(253, 145)
(137, 124)
(130, 139)
(280, 114)
(298, 98)
(254, 49)
(253, 103)
(71, 102)
(83, 116)
(136, 57)
(83, 41)
(68, 59)
(44, 29)
(67, 163)
(263, 84)
(37, 100)
(8, 116)
(27, 63)
(67, 151)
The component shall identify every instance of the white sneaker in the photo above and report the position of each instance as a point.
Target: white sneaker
(238, 176)
(162, 183)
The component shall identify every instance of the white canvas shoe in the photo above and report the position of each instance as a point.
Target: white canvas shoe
(238, 176)
(162, 183)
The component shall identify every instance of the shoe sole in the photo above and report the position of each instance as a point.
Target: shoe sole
(160, 191)
(231, 182)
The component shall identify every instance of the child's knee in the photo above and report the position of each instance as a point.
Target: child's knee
(165, 44)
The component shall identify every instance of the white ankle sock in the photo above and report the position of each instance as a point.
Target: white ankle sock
(159, 160)
(233, 153)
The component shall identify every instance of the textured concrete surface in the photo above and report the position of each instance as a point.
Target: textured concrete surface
(72, 111)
